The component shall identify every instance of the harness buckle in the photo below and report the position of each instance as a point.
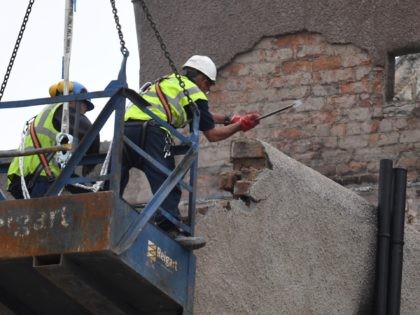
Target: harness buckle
(169, 142)
(62, 157)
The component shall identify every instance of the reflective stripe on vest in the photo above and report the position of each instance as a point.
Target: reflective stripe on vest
(46, 134)
(176, 99)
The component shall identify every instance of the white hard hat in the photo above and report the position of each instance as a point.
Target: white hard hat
(203, 64)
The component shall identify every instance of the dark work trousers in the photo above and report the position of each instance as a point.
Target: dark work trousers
(154, 143)
(39, 188)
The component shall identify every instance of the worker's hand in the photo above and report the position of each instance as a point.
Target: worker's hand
(249, 121)
(235, 118)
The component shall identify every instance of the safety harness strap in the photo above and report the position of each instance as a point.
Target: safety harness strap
(164, 101)
(34, 177)
(41, 156)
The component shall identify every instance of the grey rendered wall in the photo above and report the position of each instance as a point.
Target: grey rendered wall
(305, 245)
(222, 29)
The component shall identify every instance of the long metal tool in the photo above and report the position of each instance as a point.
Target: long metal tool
(295, 104)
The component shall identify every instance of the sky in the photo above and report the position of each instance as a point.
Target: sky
(95, 56)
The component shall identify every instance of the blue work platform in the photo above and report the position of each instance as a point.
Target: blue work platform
(93, 253)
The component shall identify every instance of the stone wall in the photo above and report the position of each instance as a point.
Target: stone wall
(344, 126)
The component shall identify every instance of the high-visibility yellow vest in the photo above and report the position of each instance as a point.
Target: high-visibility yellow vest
(46, 134)
(176, 100)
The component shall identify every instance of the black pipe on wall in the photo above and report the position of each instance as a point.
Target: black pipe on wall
(397, 242)
(389, 255)
(385, 195)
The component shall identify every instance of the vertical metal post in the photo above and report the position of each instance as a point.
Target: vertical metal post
(384, 217)
(397, 242)
(192, 213)
(192, 197)
(117, 145)
(195, 137)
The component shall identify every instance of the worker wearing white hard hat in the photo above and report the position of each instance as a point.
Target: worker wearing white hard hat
(168, 101)
(203, 64)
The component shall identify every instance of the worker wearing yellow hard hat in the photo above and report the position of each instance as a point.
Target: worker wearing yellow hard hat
(40, 170)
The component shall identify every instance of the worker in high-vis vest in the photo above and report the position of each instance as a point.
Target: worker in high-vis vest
(40, 170)
(168, 101)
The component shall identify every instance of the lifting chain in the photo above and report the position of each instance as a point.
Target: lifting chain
(165, 51)
(124, 49)
(15, 49)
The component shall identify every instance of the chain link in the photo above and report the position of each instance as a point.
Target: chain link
(16, 48)
(124, 49)
(165, 51)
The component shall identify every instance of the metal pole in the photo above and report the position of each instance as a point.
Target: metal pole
(14, 153)
(384, 217)
(295, 104)
(68, 35)
(397, 242)
(274, 112)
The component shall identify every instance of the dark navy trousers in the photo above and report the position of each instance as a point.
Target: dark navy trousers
(154, 143)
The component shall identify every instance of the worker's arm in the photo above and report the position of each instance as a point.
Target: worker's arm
(220, 119)
(244, 123)
(220, 133)
(232, 124)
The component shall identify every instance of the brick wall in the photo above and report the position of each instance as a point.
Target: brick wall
(344, 126)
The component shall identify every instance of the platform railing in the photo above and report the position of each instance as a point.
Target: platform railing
(118, 93)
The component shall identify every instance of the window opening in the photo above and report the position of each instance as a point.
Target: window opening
(407, 77)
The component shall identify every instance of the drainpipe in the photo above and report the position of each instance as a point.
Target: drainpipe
(384, 217)
(397, 242)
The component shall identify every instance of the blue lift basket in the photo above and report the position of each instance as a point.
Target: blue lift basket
(94, 253)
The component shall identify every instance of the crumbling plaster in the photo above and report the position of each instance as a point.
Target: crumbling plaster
(306, 246)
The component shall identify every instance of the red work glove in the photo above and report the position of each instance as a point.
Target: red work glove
(235, 118)
(249, 121)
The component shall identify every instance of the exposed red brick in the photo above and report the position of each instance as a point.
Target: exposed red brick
(326, 63)
(235, 69)
(296, 66)
(249, 173)
(378, 86)
(373, 139)
(324, 117)
(357, 166)
(242, 188)
(290, 133)
(353, 122)
(247, 149)
(355, 87)
(239, 164)
(227, 180)
(339, 130)
(374, 126)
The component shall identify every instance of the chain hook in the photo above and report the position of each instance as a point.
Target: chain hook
(166, 52)
(123, 49)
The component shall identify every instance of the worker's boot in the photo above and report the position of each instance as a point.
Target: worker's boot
(189, 242)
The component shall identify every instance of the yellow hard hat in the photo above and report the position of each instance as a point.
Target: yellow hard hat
(74, 88)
